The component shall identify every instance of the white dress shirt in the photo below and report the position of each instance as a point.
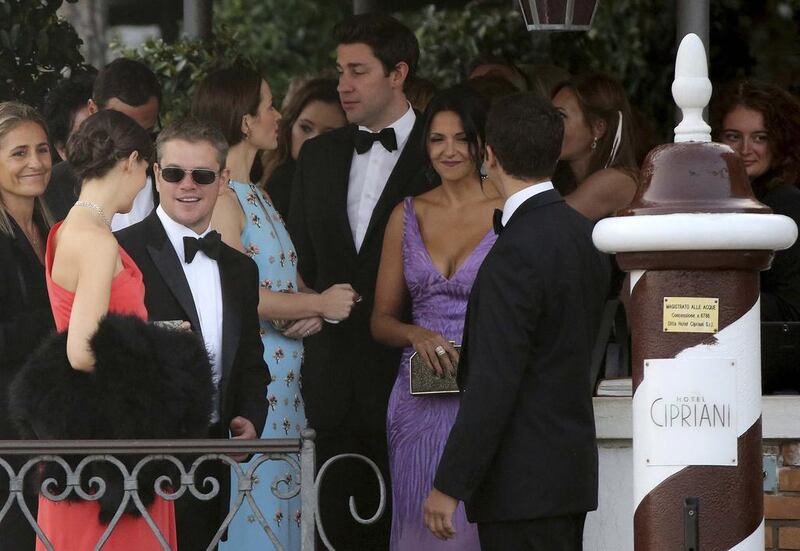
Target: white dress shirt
(142, 206)
(369, 173)
(202, 274)
(513, 202)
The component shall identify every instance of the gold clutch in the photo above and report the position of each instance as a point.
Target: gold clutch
(425, 381)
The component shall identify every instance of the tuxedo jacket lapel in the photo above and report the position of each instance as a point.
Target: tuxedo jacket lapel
(230, 280)
(405, 168)
(166, 261)
(340, 158)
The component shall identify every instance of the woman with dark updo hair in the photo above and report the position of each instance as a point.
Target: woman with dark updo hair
(761, 122)
(103, 376)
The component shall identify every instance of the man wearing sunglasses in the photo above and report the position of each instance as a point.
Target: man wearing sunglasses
(191, 276)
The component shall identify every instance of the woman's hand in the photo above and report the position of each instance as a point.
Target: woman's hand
(437, 352)
(337, 301)
(303, 328)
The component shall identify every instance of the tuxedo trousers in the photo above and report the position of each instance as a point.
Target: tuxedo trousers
(351, 477)
(564, 533)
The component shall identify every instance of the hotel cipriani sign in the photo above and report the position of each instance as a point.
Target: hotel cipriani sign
(691, 405)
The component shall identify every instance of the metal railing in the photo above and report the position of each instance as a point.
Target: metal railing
(297, 453)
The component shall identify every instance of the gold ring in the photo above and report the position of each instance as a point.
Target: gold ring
(440, 351)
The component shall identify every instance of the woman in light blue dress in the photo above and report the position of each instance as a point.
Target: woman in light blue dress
(238, 100)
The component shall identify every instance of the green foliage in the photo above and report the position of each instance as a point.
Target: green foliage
(630, 39)
(283, 39)
(180, 66)
(36, 48)
(286, 39)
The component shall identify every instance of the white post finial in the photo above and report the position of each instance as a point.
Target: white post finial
(692, 90)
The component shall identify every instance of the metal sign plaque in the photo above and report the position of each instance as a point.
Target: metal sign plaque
(690, 412)
(691, 315)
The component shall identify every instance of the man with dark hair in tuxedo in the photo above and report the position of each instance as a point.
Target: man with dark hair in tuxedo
(522, 453)
(190, 275)
(346, 184)
(131, 88)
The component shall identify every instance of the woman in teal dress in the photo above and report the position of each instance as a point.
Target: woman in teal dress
(238, 100)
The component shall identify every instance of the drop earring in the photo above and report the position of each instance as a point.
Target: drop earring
(594, 143)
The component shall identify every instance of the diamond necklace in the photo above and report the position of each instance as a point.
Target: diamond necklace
(96, 208)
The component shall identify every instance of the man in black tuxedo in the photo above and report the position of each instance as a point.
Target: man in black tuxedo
(346, 183)
(522, 453)
(190, 275)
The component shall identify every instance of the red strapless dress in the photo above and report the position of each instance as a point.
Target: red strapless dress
(73, 525)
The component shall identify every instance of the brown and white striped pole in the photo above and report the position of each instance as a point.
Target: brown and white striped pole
(694, 240)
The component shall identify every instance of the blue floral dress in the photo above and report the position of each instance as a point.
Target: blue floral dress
(266, 241)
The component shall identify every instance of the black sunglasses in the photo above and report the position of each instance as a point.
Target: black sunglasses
(202, 176)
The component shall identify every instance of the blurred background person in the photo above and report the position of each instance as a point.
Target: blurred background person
(761, 122)
(487, 64)
(597, 170)
(66, 106)
(419, 92)
(432, 250)
(129, 87)
(311, 110)
(25, 317)
(238, 101)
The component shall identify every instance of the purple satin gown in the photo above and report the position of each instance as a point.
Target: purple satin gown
(418, 426)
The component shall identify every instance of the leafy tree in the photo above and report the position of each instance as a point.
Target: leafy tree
(36, 48)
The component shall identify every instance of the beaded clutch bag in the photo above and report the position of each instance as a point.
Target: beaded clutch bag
(425, 381)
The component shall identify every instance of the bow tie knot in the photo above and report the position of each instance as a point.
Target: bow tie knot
(497, 221)
(210, 244)
(365, 139)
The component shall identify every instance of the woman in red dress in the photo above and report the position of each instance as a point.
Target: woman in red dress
(105, 369)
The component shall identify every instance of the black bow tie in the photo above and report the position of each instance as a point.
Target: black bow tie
(364, 140)
(497, 221)
(210, 244)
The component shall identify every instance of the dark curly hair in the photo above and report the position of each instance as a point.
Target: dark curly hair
(103, 139)
(781, 112)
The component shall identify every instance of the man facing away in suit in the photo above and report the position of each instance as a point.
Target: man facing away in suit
(190, 275)
(346, 183)
(522, 453)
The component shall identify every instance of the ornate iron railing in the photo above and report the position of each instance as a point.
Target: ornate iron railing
(297, 453)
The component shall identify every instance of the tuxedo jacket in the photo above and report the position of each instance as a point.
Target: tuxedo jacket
(345, 371)
(243, 387)
(523, 443)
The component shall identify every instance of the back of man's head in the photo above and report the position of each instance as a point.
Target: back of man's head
(525, 133)
(129, 81)
(193, 130)
(390, 41)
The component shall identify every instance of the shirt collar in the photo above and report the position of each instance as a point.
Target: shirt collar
(513, 202)
(176, 232)
(402, 127)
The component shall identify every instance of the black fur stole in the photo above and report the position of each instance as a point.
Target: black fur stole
(148, 382)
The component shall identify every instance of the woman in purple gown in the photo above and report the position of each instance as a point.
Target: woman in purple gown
(433, 246)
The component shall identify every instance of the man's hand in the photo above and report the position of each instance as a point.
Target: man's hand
(438, 510)
(242, 429)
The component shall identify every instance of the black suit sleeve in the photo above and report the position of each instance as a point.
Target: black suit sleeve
(298, 223)
(254, 372)
(20, 334)
(503, 313)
